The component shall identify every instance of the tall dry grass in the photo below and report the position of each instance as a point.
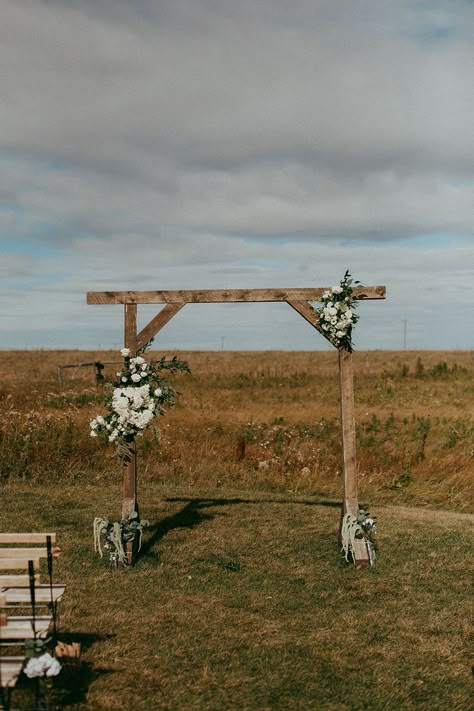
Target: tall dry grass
(261, 421)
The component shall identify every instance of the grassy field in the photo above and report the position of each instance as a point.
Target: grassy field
(240, 599)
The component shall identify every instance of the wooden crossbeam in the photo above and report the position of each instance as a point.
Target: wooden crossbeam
(202, 296)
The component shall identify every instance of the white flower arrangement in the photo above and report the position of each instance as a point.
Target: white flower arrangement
(43, 666)
(337, 316)
(139, 394)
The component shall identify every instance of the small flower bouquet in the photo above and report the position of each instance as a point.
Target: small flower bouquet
(337, 316)
(43, 668)
(139, 394)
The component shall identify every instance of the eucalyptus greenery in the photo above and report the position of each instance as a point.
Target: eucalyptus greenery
(113, 536)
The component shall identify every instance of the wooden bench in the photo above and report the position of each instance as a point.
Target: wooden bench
(23, 594)
(19, 553)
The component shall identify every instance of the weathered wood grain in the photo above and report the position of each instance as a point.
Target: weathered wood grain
(201, 296)
(350, 498)
(129, 502)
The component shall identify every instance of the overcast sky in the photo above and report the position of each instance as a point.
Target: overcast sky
(179, 144)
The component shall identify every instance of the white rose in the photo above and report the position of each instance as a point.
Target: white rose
(339, 334)
(332, 311)
(34, 668)
(158, 392)
(136, 378)
(336, 289)
(125, 352)
(54, 667)
(94, 433)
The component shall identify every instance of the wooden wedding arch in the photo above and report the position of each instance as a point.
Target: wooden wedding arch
(299, 300)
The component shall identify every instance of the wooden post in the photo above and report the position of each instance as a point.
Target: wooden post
(130, 503)
(350, 497)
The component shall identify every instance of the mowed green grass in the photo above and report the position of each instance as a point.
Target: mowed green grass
(240, 601)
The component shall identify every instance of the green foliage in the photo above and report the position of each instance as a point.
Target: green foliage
(116, 535)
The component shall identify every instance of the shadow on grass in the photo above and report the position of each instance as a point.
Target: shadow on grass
(192, 514)
(189, 517)
(77, 676)
(70, 688)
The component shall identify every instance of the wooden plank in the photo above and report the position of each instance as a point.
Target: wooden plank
(28, 553)
(21, 596)
(157, 323)
(346, 388)
(10, 670)
(18, 563)
(25, 621)
(11, 538)
(129, 502)
(201, 296)
(350, 497)
(21, 628)
(16, 581)
(309, 313)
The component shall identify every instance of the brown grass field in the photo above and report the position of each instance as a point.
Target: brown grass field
(239, 599)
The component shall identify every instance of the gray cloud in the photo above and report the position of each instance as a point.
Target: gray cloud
(207, 141)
